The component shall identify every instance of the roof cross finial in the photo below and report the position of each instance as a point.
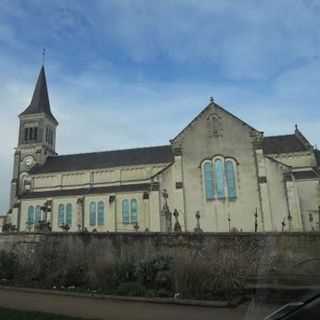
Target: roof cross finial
(43, 56)
(211, 99)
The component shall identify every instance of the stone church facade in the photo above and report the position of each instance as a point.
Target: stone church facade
(218, 174)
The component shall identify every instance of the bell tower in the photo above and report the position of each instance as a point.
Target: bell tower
(37, 137)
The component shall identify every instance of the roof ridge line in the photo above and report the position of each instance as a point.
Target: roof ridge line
(114, 150)
(279, 135)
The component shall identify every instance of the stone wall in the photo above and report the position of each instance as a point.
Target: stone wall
(269, 257)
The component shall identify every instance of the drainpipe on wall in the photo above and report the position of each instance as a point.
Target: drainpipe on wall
(115, 216)
(82, 213)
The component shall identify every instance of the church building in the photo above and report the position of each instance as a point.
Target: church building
(219, 174)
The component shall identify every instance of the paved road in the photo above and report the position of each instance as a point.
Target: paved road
(116, 310)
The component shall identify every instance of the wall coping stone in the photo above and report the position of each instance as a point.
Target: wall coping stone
(169, 234)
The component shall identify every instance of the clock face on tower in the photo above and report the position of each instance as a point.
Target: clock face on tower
(28, 161)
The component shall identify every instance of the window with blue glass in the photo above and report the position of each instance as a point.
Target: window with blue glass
(69, 214)
(100, 213)
(208, 180)
(134, 211)
(230, 173)
(125, 211)
(38, 214)
(93, 214)
(219, 178)
(30, 219)
(61, 215)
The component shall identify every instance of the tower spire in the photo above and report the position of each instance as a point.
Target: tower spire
(40, 98)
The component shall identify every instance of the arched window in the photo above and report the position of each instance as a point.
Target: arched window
(93, 214)
(61, 215)
(125, 211)
(208, 180)
(219, 177)
(69, 214)
(231, 179)
(100, 213)
(38, 214)
(134, 211)
(30, 215)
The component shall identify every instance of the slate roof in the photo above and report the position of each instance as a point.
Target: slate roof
(309, 174)
(143, 187)
(40, 98)
(283, 144)
(106, 159)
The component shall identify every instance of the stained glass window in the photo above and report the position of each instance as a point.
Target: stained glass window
(69, 214)
(134, 211)
(125, 211)
(61, 215)
(208, 180)
(219, 177)
(30, 215)
(100, 213)
(231, 179)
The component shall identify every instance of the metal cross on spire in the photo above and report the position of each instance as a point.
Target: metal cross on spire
(43, 56)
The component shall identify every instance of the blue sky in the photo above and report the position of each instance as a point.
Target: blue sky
(125, 73)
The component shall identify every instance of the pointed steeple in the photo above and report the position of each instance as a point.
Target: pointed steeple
(40, 98)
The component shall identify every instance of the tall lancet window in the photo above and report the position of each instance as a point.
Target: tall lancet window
(231, 179)
(125, 211)
(30, 215)
(93, 214)
(100, 213)
(61, 215)
(219, 177)
(69, 214)
(208, 180)
(38, 214)
(134, 211)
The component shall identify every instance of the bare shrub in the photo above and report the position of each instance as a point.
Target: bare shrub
(191, 275)
(155, 273)
(9, 265)
(228, 279)
(201, 277)
(101, 275)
